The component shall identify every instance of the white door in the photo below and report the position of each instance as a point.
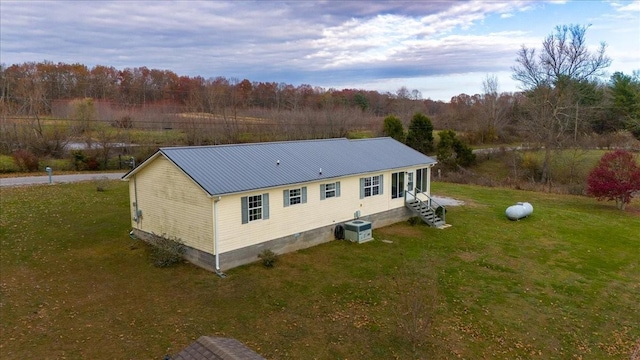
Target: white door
(410, 195)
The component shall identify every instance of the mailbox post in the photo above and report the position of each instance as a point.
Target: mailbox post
(49, 171)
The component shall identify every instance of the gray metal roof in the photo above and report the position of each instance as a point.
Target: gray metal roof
(225, 169)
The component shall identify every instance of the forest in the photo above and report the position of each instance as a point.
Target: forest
(89, 115)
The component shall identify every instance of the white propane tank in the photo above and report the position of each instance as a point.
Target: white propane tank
(519, 211)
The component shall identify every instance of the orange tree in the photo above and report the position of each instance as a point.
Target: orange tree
(616, 177)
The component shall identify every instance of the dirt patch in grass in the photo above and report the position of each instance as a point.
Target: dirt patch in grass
(634, 211)
(402, 230)
(468, 256)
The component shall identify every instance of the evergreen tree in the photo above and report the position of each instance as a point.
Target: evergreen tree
(452, 152)
(393, 127)
(420, 135)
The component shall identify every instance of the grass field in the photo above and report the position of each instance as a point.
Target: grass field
(567, 166)
(564, 283)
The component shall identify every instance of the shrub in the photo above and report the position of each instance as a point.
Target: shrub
(532, 166)
(125, 122)
(7, 164)
(616, 177)
(415, 220)
(167, 251)
(92, 164)
(268, 258)
(452, 152)
(25, 160)
(59, 164)
(79, 159)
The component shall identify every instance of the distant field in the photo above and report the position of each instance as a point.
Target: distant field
(561, 284)
(569, 166)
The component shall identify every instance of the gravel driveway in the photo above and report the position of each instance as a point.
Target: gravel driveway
(34, 180)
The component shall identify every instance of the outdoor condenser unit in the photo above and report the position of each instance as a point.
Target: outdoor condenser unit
(358, 231)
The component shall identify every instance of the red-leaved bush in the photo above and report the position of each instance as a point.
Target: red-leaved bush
(25, 160)
(616, 177)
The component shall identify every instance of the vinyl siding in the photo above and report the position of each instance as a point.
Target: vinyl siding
(172, 204)
(293, 219)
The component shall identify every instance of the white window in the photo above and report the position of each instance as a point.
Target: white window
(329, 190)
(370, 186)
(295, 196)
(255, 207)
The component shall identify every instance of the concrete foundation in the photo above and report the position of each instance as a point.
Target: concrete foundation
(286, 244)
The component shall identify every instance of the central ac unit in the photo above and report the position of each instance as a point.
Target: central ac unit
(358, 231)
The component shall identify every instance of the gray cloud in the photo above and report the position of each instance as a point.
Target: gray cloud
(316, 42)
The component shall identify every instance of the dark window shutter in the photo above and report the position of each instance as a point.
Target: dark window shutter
(323, 191)
(337, 188)
(245, 209)
(304, 194)
(265, 206)
(285, 196)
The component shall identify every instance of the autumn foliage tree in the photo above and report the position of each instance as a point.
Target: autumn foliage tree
(616, 177)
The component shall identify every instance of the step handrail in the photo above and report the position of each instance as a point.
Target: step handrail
(430, 204)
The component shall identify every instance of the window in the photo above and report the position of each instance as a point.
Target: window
(255, 207)
(295, 196)
(329, 190)
(397, 185)
(370, 186)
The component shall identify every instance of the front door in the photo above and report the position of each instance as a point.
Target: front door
(410, 181)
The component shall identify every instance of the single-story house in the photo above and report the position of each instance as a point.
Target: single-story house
(228, 203)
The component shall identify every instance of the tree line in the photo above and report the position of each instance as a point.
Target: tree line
(566, 98)
(36, 86)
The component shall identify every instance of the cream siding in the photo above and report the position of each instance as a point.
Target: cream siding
(172, 204)
(315, 213)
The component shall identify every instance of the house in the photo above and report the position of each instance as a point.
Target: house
(228, 203)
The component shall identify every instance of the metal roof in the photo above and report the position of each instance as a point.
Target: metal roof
(224, 169)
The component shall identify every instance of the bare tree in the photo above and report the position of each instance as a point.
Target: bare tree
(493, 111)
(553, 82)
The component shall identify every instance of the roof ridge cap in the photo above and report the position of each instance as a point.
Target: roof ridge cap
(255, 144)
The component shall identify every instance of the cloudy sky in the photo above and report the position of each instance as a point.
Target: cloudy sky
(441, 48)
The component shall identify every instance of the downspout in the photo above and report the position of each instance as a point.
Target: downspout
(135, 197)
(215, 236)
(135, 208)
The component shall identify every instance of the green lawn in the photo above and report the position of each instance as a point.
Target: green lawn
(563, 283)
